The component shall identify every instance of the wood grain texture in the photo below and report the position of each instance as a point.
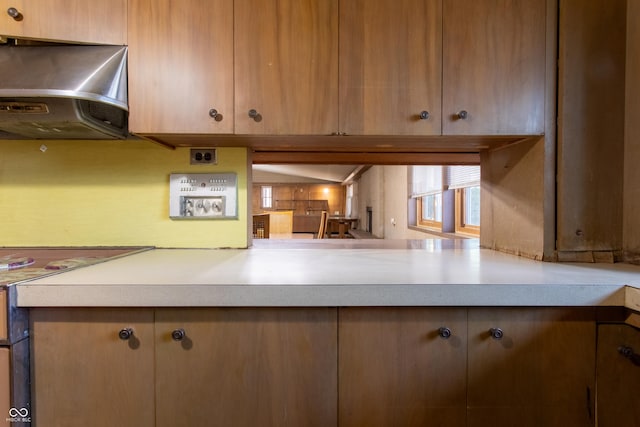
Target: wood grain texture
(538, 373)
(181, 66)
(303, 199)
(396, 371)
(618, 377)
(631, 195)
(390, 67)
(513, 198)
(4, 331)
(84, 21)
(247, 367)
(591, 100)
(83, 374)
(281, 222)
(494, 67)
(5, 381)
(286, 66)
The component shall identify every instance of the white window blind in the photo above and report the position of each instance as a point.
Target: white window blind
(462, 176)
(425, 180)
(267, 197)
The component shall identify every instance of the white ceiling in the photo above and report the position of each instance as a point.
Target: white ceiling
(280, 173)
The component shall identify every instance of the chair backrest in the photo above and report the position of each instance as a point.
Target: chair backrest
(261, 226)
(322, 230)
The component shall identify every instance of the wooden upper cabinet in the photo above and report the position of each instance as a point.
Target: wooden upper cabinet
(390, 67)
(181, 66)
(308, 67)
(286, 67)
(81, 21)
(494, 67)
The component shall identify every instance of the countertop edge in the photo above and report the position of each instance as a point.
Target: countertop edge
(463, 295)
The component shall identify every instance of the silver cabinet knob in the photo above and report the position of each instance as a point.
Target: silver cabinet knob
(178, 334)
(496, 333)
(444, 332)
(255, 115)
(14, 13)
(215, 115)
(462, 114)
(125, 333)
(424, 115)
(628, 352)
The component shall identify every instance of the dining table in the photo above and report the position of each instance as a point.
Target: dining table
(341, 225)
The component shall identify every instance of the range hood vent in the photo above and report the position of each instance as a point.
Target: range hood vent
(63, 92)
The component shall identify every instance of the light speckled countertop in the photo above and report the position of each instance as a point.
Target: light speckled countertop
(333, 273)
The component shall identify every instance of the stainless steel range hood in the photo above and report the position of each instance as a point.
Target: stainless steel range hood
(63, 92)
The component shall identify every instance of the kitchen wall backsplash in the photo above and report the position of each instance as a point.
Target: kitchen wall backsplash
(108, 193)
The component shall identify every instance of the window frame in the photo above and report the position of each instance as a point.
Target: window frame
(431, 224)
(460, 224)
(264, 198)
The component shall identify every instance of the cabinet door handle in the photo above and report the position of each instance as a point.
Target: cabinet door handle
(462, 114)
(424, 115)
(444, 332)
(214, 114)
(496, 333)
(257, 117)
(629, 354)
(125, 333)
(14, 13)
(178, 334)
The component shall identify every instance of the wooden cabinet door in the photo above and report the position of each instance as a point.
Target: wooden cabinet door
(286, 66)
(181, 66)
(84, 374)
(246, 367)
(618, 376)
(5, 390)
(493, 67)
(540, 373)
(85, 21)
(390, 67)
(395, 369)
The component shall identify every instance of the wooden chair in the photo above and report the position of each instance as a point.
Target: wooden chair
(261, 226)
(322, 230)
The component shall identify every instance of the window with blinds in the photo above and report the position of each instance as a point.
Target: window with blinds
(428, 184)
(267, 196)
(462, 176)
(425, 180)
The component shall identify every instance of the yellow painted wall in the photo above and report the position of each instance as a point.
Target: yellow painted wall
(107, 193)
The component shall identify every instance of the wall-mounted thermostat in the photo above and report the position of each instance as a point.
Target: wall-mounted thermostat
(203, 196)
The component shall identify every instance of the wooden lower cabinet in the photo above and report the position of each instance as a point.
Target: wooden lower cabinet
(84, 374)
(540, 373)
(5, 390)
(396, 370)
(246, 367)
(618, 376)
(232, 367)
(378, 366)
